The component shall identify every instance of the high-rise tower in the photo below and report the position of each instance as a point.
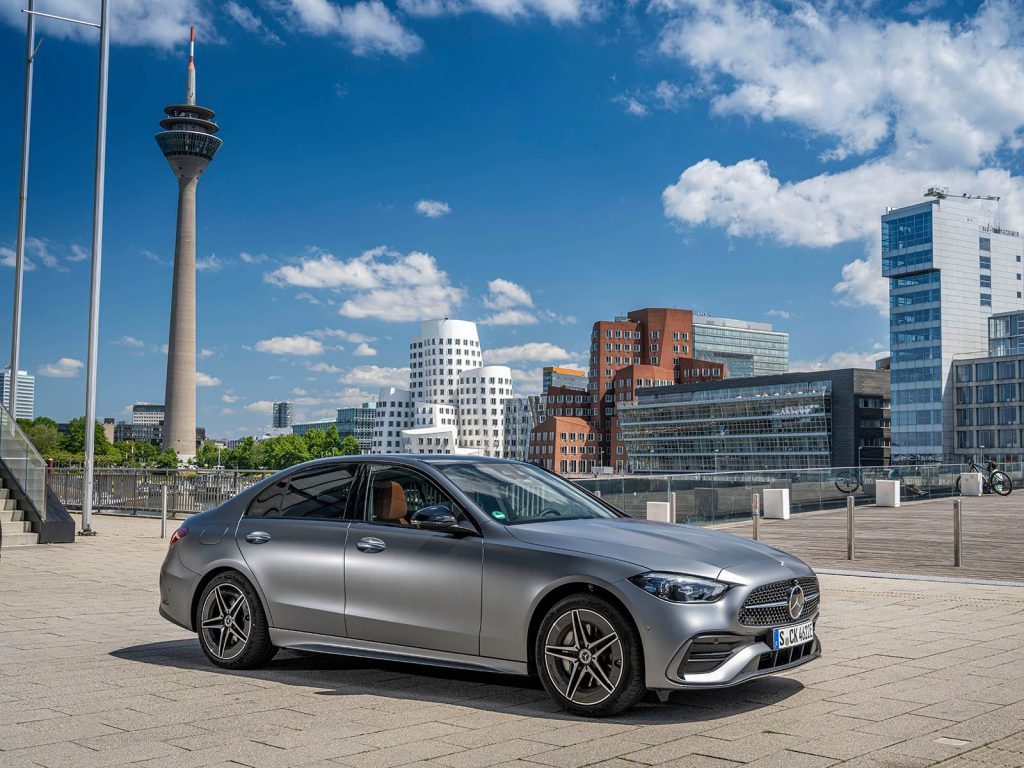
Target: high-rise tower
(189, 144)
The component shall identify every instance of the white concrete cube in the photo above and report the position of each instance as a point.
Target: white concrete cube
(971, 484)
(659, 512)
(776, 503)
(887, 493)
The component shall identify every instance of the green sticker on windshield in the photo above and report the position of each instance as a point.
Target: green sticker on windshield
(498, 514)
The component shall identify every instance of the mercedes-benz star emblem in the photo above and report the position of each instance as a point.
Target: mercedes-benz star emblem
(796, 601)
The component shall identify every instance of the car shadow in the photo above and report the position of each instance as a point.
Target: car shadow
(350, 676)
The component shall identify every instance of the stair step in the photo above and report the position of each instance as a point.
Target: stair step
(15, 526)
(11, 515)
(19, 540)
(7, 504)
(4, 492)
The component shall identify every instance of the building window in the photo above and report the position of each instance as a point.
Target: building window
(985, 243)
(985, 262)
(986, 281)
(986, 299)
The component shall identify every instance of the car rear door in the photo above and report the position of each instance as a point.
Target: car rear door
(404, 585)
(293, 538)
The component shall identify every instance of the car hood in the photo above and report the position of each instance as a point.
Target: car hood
(662, 547)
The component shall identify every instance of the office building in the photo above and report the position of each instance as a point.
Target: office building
(454, 404)
(300, 428)
(357, 421)
(553, 376)
(744, 347)
(661, 338)
(522, 414)
(25, 402)
(147, 414)
(988, 393)
(188, 143)
(789, 421)
(950, 268)
(282, 415)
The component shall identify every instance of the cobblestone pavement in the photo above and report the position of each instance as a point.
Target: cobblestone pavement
(914, 674)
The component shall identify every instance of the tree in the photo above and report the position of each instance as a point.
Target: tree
(74, 440)
(135, 454)
(167, 459)
(282, 452)
(44, 437)
(242, 456)
(350, 446)
(323, 442)
(207, 454)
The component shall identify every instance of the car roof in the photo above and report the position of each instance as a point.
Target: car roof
(413, 458)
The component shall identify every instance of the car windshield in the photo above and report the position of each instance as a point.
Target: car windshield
(519, 493)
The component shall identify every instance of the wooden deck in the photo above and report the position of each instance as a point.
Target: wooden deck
(916, 538)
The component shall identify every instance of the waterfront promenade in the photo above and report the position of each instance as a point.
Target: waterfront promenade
(914, 674)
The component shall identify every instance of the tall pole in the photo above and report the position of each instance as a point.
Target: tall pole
(97, 261)
(19, 247)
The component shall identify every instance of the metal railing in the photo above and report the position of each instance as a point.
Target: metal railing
(24, 463)
(140, 491)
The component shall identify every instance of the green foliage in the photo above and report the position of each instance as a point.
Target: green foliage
(207, 455)
(282, 452)
(74, 441)
(323, 442)
(135, 454)
(44, 437)
(242, 456)
(349, 446)
(167, 460)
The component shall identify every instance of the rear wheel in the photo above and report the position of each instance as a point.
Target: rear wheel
(232, 626)
(1001, 483)
(589, 657)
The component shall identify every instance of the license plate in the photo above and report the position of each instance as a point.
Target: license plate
(787, 637)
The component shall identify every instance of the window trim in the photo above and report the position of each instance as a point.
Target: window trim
(345, 517)
(461, 513)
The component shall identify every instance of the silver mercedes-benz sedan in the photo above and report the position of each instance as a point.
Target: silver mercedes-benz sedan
(484, 564)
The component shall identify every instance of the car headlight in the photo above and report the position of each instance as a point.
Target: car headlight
(680, 588)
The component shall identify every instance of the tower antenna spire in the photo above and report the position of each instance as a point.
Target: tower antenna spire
(190, 88)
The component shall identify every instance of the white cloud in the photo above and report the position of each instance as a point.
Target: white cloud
(432, 209)
(386, 284)
(632, 105)
(130, 341)
(250, 22)
(536, 351)
(338, 333)
(527, 381)
(290, 345)
(324, 368)
(78, 253)
(556, 11)
(155, 23)
(298, 391)
(782, 314)
(376, 376)
(206, 380)
(260, 406)
(156, 258)
(368, 26)
(503, 294)
(250, 258)
(364, 350)
(210, 264)
(226, 411)
(207, 353)
(845, 359)
(229, 398)
(65, 368)
(510, 317)
(352, 396)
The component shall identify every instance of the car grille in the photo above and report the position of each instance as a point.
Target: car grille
(768, 605)
(775, 659)
(708, 652)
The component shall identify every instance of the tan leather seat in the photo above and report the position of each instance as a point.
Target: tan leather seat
(389, 503)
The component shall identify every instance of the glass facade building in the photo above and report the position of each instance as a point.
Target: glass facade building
(748, 349)
(949, 267)
(25, 403)
(792, 421)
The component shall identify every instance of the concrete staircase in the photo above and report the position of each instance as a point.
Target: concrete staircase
(17, 531)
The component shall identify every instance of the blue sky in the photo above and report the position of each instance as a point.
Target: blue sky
(532, 164)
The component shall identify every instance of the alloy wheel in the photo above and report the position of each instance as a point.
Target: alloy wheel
(226, 621)
(583, 656)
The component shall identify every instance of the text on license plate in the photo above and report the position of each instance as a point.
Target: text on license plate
(786, 637)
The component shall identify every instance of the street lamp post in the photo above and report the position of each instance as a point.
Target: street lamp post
(97, 253)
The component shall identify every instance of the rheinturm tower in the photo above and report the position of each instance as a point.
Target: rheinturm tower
(188, 142)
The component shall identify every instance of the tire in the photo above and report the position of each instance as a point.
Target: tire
(1001, 483)
(588, 682)
(847, 482)
(232, 625)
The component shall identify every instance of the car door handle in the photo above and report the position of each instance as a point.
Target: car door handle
(258, 537)
(370, 544)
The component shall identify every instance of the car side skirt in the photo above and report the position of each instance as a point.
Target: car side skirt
(365, 649)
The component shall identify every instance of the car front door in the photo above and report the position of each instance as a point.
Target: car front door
(405, 585)
(293, 538)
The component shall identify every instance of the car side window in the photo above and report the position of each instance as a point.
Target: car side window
(395, 494)
(321, 494)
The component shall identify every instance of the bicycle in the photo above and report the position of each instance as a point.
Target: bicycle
(851, 480)
(993, 480)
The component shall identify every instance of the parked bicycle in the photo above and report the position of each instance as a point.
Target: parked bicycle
(992, 480)
(851, 480)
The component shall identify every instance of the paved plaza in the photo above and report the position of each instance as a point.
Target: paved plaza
(914, 674)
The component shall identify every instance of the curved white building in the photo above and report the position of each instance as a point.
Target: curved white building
(454, 404)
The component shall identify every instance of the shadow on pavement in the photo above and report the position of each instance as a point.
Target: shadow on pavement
(349, 676)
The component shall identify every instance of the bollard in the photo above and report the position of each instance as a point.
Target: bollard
(958, 533)
(851, 530)
(672, 501)
(163, 511)
(755, 513)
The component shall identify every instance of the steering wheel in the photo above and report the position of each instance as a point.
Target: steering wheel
(550, 513)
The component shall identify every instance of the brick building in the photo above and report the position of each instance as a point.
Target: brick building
(564, 444)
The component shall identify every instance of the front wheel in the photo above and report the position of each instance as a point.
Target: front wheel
(589, 657)
(1001, 483)
(847, 482)
(232, 626)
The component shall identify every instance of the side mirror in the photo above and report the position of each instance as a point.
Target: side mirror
(439, 517)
